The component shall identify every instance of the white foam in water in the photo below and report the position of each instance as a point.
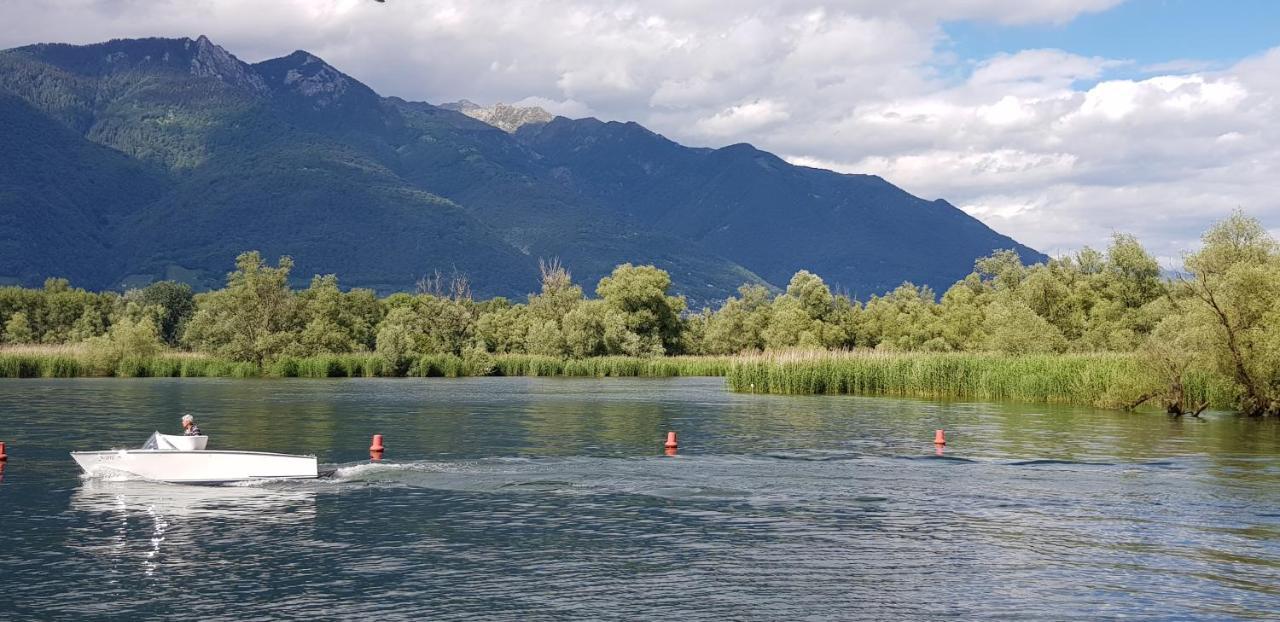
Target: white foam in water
(106, 474)
(576, 475)
(364, 470)
(257, 483)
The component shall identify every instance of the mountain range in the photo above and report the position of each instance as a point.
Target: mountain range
(136, 160)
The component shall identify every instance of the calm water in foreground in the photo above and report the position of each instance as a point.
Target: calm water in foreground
(537, 499)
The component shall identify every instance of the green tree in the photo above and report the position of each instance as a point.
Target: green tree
(1172, 351)
(790, 326)
(693, 332)
(1234, 289)
(808, 315)
(1003, 269)
(545, 338)
(648, 314)
(1133, 274)
(17, 329)
(255, 318)
(91, 323)
(542, 321)
(337, 322)
(812, 294)
(583, 332)
(176, 304)
(559, 294)
(503, 329)
(961, 316)
(397, 337)
(448, 324)
(1047, 290)
(740, 323)
(904, 319)
(1014, 328)
(54, 310)
(56, 285)
(134, 335)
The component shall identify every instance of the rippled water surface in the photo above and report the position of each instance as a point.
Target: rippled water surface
(537, 499)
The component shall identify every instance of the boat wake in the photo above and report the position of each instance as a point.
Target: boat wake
(781, 477)
(719, 477)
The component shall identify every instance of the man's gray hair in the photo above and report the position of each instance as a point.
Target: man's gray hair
(186, 418)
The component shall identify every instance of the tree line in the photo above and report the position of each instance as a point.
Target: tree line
(1222, 314)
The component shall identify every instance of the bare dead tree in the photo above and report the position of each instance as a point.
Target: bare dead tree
(432, 284)
(456, 287)
(554, 274)
(459, 287)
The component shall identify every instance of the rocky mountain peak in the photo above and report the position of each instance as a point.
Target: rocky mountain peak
(211, 60)
(198, 57)
(462, 105)
(308, 76)
(505, 117)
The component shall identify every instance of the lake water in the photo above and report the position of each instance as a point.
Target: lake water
(550, 499)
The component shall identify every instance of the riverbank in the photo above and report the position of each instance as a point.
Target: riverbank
(1100, 380)
(77, 362)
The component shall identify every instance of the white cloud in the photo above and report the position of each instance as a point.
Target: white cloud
(1051, 68)
(743, 118)
(1061, 166)
(1047, 146)
(566, 107)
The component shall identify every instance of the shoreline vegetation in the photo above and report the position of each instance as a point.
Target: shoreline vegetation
(79, 362)
(1106, 380)
(1106, 329)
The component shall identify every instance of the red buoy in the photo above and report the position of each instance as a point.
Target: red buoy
(3, 456)
(671, 441)
(939, 438)
(377, 443)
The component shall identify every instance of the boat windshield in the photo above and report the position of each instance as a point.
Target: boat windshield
(177, 443)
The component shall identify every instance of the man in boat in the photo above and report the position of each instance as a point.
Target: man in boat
(189, 427)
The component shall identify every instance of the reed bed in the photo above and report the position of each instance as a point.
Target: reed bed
(611, 366)
(74, 361)
(1102, 380)
(358, 365)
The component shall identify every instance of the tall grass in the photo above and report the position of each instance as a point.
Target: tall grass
(1102, 380)
(359, 365)
(611, 366)
(74, 361)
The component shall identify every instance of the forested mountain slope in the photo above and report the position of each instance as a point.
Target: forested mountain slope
(136, 160)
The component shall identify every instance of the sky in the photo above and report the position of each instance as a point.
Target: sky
(1058, 122)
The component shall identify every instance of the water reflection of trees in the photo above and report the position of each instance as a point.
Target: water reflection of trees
(558, 428)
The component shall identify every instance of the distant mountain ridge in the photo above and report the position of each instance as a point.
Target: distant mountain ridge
(147, 159)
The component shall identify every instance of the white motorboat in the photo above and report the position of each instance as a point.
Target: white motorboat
(184, 459)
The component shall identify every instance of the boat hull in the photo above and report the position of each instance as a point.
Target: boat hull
(195, 467)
